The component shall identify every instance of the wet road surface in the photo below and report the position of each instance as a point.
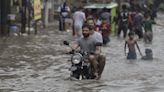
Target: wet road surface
(37, 64)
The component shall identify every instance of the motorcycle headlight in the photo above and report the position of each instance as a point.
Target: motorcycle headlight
(76, 59)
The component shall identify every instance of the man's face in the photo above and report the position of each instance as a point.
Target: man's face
(131, 36)
(86, 32)
(104, 21)
(91, 22)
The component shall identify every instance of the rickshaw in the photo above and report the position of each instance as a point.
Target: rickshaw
(112, 6)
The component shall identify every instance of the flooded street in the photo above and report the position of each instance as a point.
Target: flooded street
(37, 64)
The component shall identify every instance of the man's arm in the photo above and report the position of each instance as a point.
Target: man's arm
(73, 17)
(84, 17)
(75, 46)
(138, 48)
(98, 50)
(69, 11)
(59, 9)
(72, 47)
(153, 22)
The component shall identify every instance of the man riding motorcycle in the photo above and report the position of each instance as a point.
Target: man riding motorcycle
(88, 44)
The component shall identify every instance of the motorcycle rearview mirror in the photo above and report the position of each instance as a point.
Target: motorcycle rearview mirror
(66, 43)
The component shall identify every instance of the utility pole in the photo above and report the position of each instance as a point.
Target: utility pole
(23, 16)
(46, 13)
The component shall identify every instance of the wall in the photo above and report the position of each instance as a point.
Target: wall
(0, 16)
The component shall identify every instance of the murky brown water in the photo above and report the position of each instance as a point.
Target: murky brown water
(37, 64)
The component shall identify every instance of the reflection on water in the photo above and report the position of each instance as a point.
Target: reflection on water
(37, 63)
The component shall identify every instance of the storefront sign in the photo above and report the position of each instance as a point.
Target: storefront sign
(37, 9)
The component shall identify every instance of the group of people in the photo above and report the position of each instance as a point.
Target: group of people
(80, 17)
(138, 23)
(100, 26)
(90, 31)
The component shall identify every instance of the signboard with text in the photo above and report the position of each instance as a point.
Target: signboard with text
(37, 9)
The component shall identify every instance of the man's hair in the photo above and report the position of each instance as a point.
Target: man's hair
(146, 16)
(79, 8)
(103, 18)
(124, 6)
(148, 51)
(131, 33)
(87, 26)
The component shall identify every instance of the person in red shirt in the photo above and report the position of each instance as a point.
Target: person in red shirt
(105, 30)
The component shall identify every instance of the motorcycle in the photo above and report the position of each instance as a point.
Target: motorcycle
(81, 67)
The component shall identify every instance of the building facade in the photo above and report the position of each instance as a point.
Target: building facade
(4, 11)
(0, 16)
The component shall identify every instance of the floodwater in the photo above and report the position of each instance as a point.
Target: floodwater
(37, 64)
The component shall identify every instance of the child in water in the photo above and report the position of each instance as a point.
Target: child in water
(148, 55)
(131, 42)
